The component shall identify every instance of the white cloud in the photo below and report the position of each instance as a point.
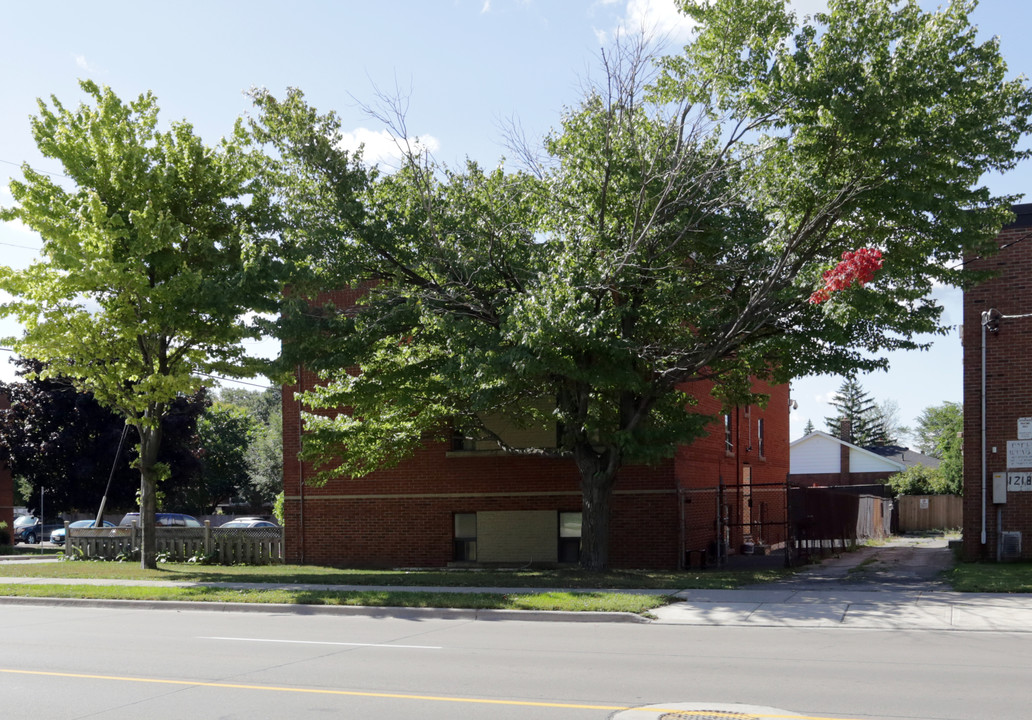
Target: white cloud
(486, 7)
(382, 148)
(655, 18)
(83, 64)
(662, 19)
(808, 7)
(19, 228)
(825, 397)
(661, 16)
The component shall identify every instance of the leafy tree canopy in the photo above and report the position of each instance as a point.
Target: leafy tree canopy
(938, 427)
(225, 433)
(262, 461)
(921, 480)
(676, 228)
(152, 260)
(939, 433)
(63, 441)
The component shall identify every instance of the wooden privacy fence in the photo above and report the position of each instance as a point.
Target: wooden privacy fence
(930, 512)
(223, 546)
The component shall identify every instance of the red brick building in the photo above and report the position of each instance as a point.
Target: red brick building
(998, 441)
(445, 505)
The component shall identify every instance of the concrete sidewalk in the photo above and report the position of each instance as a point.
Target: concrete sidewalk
(880, 609)
(773, 607)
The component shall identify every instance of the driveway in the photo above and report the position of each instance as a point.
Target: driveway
(901, 563)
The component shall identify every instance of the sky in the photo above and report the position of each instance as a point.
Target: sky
(465, 67)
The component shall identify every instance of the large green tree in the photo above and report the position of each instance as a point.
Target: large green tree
(262, 453)
(939, 434)
(64, 442)
(677, 229)
(154, 253)
(225, 433)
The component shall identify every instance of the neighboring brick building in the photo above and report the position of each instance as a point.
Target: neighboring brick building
(999, 529)
(444, 505)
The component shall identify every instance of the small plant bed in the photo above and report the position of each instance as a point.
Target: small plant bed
(991, 577)
(568, 578)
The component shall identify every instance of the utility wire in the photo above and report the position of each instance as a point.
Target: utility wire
(263, 386)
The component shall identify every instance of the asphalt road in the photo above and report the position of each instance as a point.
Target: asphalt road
(66, 663)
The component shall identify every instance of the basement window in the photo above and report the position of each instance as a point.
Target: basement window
(569, 537)
(464, 542)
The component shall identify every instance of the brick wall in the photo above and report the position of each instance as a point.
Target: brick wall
(403, 516)
(1008, 380)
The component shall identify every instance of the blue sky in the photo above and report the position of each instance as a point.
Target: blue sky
(466, 66)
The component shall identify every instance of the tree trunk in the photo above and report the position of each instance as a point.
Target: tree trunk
(597, 480)
(150, 444)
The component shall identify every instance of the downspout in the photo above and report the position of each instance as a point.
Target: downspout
(681, 564)
(300, 465)
(985, 322)
(740, 495)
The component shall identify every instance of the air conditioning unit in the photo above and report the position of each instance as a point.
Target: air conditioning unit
(1010, 545)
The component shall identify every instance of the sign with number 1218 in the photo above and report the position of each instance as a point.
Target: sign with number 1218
(1019, 481)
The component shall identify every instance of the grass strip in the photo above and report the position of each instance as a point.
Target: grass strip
(991, 577)
(571, 578)
(566, 601)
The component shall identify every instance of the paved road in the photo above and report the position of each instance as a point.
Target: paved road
(125, 664)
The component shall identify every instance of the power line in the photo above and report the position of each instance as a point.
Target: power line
(23, 247)
(41, 172)
(263, 386)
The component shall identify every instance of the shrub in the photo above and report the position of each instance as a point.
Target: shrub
(919, 480)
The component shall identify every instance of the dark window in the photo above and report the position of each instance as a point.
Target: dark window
(464, 544)
(729, 443)
(759, 437)
(569, 537)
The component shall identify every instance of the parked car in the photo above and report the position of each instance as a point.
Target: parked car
(27, 529)
(249, 523)
(58, 536)
(163, 519)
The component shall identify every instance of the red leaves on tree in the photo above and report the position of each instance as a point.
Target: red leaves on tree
(856, 268)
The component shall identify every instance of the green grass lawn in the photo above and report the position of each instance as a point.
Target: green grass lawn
(991, 577)
(582, 590)
(577, 601)
(567, 578)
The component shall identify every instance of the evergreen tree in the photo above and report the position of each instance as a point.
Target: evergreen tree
(809, 427)
(856, 405)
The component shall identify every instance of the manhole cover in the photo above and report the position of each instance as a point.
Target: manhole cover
(707, 715)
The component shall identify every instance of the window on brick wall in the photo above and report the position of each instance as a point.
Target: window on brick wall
(464, 543)
(760, 438)
(729, 443)
(569, 537)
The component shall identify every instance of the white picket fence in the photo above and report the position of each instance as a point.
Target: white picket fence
(222, 546)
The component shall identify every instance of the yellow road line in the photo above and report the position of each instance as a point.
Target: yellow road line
(392, 696)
